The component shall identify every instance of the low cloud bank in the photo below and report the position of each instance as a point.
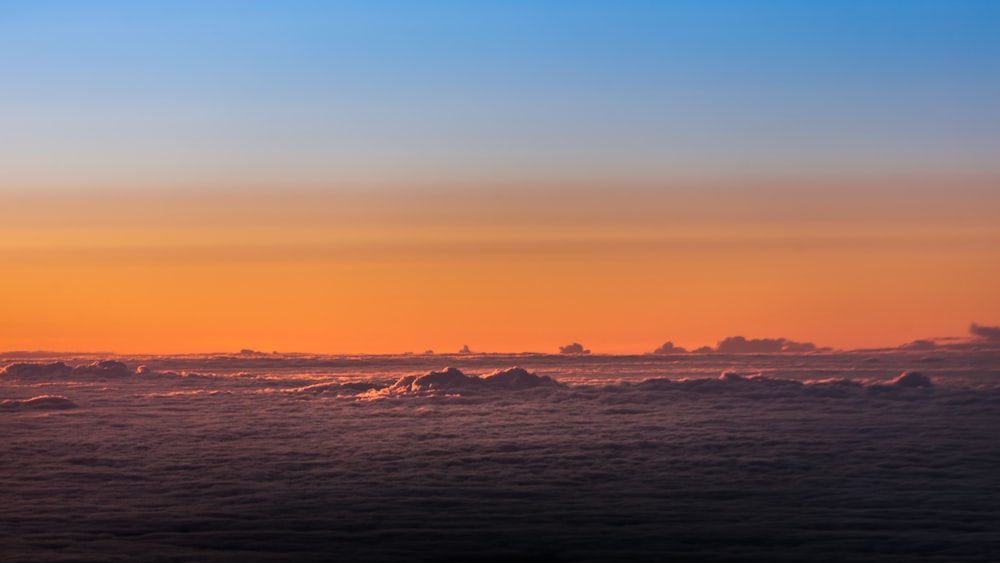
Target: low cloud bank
(757, 386)
(59, 370)
(741, 345)
(42, 402)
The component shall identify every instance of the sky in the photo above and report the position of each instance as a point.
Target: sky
(397, 176)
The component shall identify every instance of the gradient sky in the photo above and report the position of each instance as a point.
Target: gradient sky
(390, 176)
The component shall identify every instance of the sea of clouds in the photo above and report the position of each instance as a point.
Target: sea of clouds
(876, 456)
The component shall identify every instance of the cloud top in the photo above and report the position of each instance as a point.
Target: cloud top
(912, 379)
(452, 379)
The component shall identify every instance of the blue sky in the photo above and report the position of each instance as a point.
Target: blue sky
(144, 94)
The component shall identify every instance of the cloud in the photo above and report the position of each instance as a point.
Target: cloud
(42, 402)
(920, 345)
(912, 379)
(36, 371)
(669, 348)
(452, 379)
(517, 378)
(741, 345)
(338, 388)
(987, 332)
(574, 348)
(59, 370)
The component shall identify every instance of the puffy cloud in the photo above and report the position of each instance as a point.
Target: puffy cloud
(669, 348)
(987, 332)
(574, 348)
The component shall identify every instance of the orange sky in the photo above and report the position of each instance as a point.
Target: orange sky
(501, 269)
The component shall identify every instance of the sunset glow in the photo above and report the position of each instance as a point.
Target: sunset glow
(347, 179)
(501, 271)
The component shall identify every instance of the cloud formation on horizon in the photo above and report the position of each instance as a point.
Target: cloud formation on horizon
(986, 332)
(669, 348)
(574, 348)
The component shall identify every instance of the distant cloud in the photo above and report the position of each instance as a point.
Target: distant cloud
(574, 348)
(669, 348)
(920, 345)
(987, 332)
(741, 345)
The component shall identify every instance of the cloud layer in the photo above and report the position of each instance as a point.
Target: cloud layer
(713, 457)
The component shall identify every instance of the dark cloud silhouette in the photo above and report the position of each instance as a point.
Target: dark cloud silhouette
(669, 348)
(741, 345)
(574, 348)
(987, 332)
